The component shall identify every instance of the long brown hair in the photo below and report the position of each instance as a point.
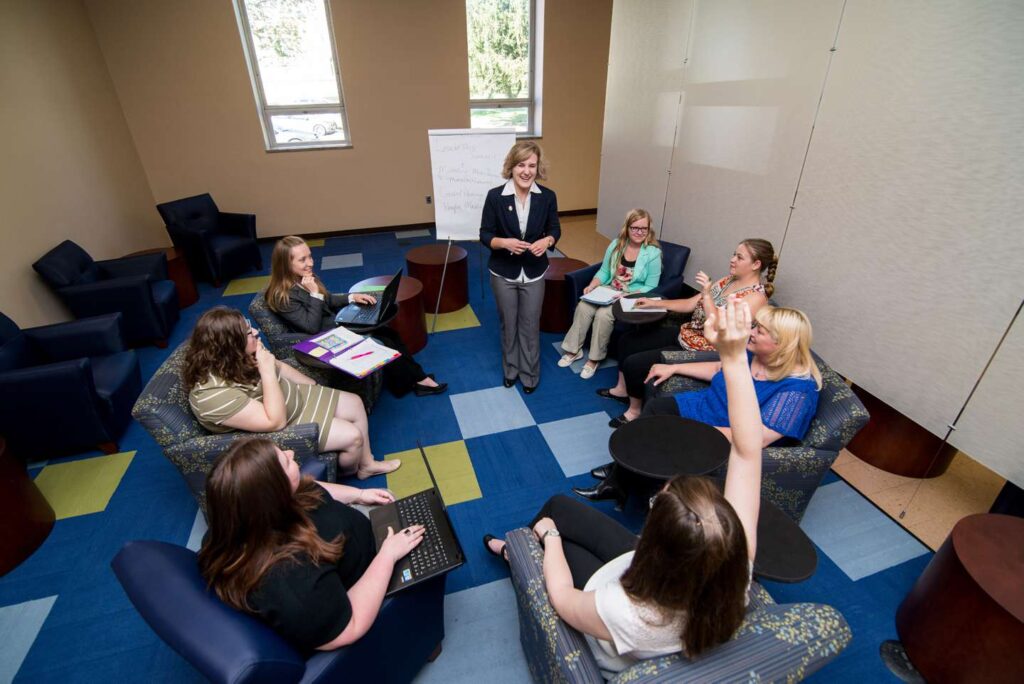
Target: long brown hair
(217, 347)
(256, 521)
(691, 561)
(281, 277)
(763, 251)
(632, 217)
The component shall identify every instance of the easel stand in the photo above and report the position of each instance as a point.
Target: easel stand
(440, 288)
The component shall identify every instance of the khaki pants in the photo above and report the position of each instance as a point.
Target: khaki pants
(588, 315)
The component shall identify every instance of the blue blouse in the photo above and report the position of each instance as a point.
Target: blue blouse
(787, 405)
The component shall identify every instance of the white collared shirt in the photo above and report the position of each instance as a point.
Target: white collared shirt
(523, 214)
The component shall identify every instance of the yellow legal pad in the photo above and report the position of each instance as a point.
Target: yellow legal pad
(240, 286)
(82, 487)
(456, 320)
(452, 468)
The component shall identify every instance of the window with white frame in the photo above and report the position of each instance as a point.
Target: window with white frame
(289, 45)
(505, 49)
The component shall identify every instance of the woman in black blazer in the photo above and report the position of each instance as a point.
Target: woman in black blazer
(301, 300)
(519, 225)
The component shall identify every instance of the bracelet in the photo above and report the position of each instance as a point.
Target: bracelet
(550, 532)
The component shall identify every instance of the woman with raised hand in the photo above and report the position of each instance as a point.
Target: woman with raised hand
(682, 585)
(235, 383)
(631, 264)
(299, 297)
(751, 278)
(292, 552)
(519, 225)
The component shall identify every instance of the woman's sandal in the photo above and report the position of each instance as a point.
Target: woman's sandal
(503, 554)
(607, 394)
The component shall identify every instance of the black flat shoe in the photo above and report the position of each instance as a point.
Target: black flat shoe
(504, 553)
(607, 394)
(601, 492)
(530, 390)
(509, 383)
(618, 422)
(424, 391)
(601, 472)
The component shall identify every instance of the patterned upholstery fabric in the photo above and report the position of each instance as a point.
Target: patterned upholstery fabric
(163, 410)
(791, 474)
(280, 340)
(774, 643)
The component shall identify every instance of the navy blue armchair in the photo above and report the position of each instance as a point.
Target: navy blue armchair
(66, 387)
(163, 583)
(673, 261)
(135, 286)
(218, 245)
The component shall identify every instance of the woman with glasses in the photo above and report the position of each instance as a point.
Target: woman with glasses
(631, 264)
(682, 585)
(234, 383)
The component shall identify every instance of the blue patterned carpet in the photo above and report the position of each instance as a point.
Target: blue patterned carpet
(64, 618)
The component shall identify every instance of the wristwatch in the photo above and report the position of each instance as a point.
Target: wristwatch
(550, 532)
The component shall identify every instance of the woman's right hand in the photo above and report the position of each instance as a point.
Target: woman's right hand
(703, 280)
(309, 282)
(398, 546)
(265, 361)
(515, 246)
(728, 328)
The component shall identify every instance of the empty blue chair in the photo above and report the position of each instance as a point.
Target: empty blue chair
(136, 286)
(218, 245)
(66, 387)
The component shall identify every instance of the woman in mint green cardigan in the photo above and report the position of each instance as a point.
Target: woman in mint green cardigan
(631, 264)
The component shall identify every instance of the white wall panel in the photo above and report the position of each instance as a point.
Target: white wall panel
(751, 88)
(991, 429)
(906, 247)
(648, 48)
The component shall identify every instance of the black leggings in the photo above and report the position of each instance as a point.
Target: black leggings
(636, 367)
(645, 338)
(402, 374)
(589, 537)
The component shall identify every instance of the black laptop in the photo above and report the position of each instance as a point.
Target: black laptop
(368, 316)
(438, 553)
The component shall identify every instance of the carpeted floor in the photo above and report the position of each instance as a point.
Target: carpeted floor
(497, 453)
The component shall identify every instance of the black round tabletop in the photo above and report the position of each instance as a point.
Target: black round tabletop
(636, 316)
(665, 446)
(784, 552)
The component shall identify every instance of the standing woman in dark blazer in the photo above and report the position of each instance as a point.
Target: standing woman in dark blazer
(519, 225)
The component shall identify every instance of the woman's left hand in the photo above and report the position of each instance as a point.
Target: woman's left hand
(540, 246)
(660, 372)
(374, 497)
(542, 526)
(362, 299)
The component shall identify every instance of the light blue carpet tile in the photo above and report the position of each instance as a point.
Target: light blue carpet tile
(577, 365)
(579, 443)
(341, 261)
(402, 234)
(487, 411)
(19, 625)
(858, 537)
(195, 537)
(481, 639)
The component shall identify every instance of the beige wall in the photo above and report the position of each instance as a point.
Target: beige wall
(179, 70)
(69, 169)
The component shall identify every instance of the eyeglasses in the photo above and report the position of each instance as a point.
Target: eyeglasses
(252, 330)
(639, 229)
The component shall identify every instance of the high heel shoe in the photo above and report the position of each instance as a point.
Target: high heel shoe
(601, 472)
(509, 383)
(602, 491)
(426, 391)
(503, 555)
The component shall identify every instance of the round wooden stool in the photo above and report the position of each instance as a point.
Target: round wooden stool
(426, 263)
(28, 517)
(410, 322)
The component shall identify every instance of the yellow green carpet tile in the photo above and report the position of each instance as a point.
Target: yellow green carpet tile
(82, 487)
(452, 468)
(456, 320)
(315, 243)
(240, 286)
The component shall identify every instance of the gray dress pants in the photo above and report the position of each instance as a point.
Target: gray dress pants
(519, 306)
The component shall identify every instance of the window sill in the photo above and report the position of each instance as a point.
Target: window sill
(307, 148)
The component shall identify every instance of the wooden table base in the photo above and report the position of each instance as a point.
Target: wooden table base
(409, 323)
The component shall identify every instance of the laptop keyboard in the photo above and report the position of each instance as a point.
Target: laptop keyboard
(366, 315)
(430, 555)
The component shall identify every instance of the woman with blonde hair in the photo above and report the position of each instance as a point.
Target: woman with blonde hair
(631, 264)
(235, 383)
(519, 225)
(786, 383)
(299, 297)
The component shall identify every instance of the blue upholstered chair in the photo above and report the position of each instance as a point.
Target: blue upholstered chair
(66, 387)
(218, 245)
(136, 286)
(163, 583)
(163, 409)
(791, 472)
(673, 261)
(775, 643)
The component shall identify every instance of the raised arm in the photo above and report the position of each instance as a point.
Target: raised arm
(729, 330)
(268, 415)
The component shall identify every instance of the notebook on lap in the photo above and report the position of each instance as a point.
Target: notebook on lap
(357, 315)
(438, 553)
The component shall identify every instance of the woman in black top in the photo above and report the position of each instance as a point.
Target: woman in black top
(301, 300)
(290, 551)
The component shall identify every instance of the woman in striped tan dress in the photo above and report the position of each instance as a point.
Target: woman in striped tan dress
(236, 384)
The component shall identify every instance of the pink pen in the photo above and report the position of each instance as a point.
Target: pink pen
(359, 356)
